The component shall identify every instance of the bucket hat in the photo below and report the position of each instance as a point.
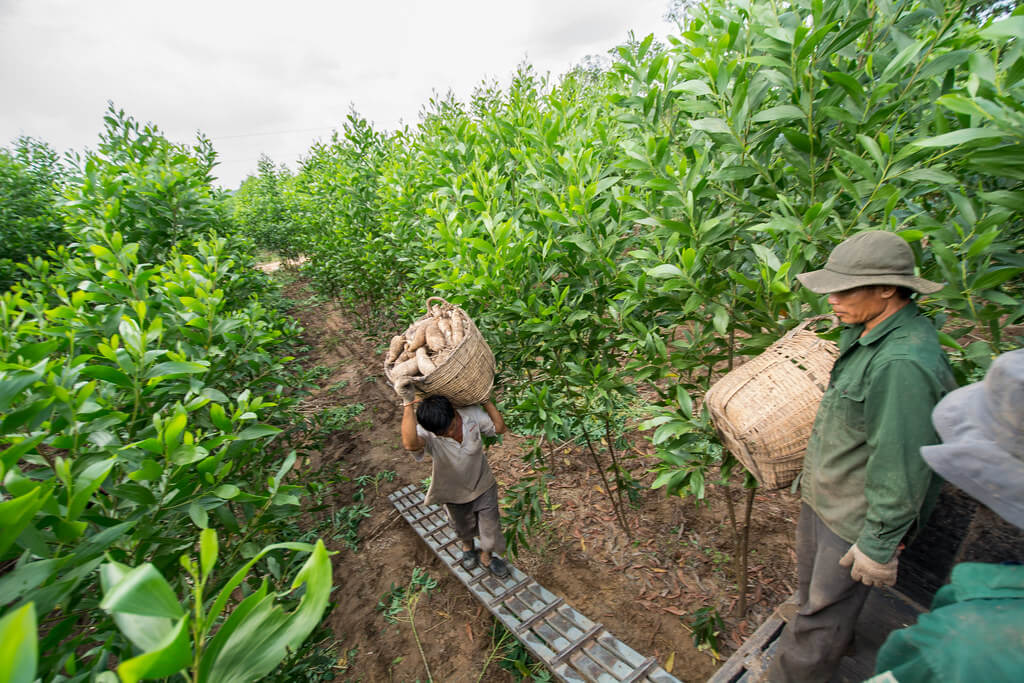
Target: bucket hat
(982, 430)
(872, 257)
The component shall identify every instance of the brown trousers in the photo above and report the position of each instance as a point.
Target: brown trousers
(479, 517)
(829, 600)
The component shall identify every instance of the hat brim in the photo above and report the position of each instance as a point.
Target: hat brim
(971, 459)
(827, 281)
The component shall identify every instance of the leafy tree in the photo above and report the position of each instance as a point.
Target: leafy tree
(262, 211)
(31, 177)
(147, 188)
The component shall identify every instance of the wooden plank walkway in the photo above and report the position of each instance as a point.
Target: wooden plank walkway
(884, 611)
(574, 648)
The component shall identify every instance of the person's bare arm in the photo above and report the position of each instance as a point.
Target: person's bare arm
(496, 418)
(411, 441)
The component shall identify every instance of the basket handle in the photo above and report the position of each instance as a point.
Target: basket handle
(439, 298)
(813, 319)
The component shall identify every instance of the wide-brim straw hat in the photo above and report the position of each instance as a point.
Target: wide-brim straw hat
(873, 257)
(982, 431)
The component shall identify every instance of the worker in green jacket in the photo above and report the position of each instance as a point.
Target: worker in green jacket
(865, 487)
(975, 630)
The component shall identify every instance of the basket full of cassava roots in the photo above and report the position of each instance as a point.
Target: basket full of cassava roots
(443, 353)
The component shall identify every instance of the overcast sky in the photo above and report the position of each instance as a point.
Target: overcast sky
(272, 77)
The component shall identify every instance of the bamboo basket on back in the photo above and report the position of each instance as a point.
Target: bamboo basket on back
(764, 409)
(464, 372)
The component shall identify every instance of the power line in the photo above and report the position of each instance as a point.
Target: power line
(279, 132)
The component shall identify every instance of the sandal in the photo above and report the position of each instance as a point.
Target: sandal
(498, 567)
(468, 560)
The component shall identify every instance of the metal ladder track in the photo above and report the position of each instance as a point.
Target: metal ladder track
(574, 648)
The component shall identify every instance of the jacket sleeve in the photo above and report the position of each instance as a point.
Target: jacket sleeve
(897, 416)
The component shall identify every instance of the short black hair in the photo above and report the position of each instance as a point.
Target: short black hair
(435, 413)
(905, 293)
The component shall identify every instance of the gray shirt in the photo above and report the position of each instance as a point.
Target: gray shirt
(460, 470)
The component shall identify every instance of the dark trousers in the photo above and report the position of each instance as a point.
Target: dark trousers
(479, 517)
(829, 602)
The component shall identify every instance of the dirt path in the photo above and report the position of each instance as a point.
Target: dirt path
(639, 590)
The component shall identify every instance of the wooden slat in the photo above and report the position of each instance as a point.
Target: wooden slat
(543, 613)
(641, 671)
(510, 593)
(594, 630)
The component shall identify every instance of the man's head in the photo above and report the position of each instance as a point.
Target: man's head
(873, 257)
(869, 304)
(436, 414)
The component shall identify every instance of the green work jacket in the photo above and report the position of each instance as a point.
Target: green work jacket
(863, 472)
(975, 631)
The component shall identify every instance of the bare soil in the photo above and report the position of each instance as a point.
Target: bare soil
(643, 591)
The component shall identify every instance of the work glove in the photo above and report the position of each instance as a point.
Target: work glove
(867, 571)
(405, 390)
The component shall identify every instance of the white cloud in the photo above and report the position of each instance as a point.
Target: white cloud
(271, 77)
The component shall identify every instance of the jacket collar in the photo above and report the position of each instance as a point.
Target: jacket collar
(851, 335)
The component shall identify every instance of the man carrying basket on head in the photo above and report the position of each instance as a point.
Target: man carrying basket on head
(865, 487)
(461, 478)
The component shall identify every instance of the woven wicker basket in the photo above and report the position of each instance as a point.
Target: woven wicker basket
(764, 409)
(466, 377)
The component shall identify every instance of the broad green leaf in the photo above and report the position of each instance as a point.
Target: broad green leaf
(170, 434)
(167, 657)
(171, 368)
(226, 491)
(654, 422)
(197, 513)
(1011, 27)
(767, 256)
(17, 513)
(901, 60)
(219, 417)
(962, 105)
(252, 644)
(207, 551)
(943, 63)
(150, 470)
(142, 591)
(994, 278)
(684, 401)
(34, 352)
(735, 173)
(664, 271)
(959, 137)
(848, 83)
(947, 340)
(930, 175)
(18, 581)
(86, 484)
(19, 645)
(694, 87)
(186, 454)
(145, 632)
(107, 374)
(225, 594)
(10, 456)
(711, 125)
(782, 112)
(257, 431)
(872, 148)
(13, 383)
(720, 319)
(813, 39)
(1011, 200)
